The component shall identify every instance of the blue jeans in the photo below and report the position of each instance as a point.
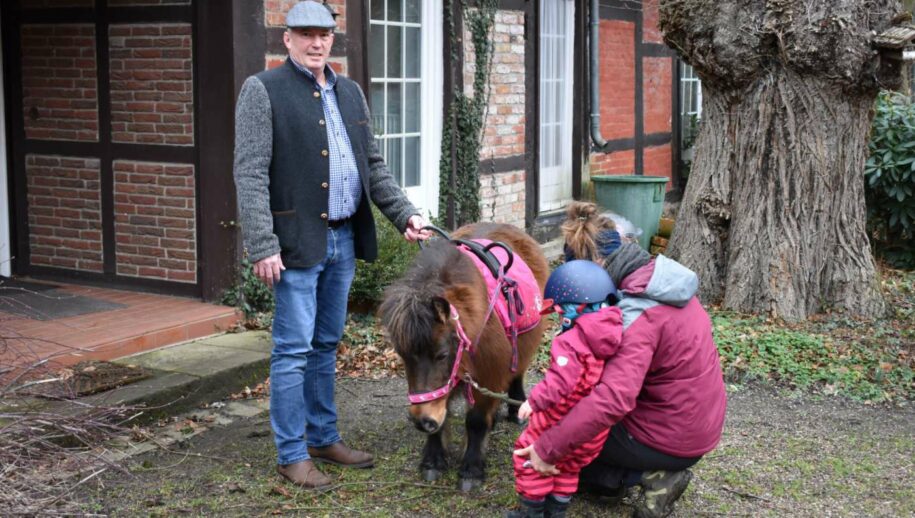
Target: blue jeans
(308, 324)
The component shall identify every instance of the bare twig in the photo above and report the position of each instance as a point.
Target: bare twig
(45, 451)
(745, 495)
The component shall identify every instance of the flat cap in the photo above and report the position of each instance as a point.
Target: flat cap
(310, 14)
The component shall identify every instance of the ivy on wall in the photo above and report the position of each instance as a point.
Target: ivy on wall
(462, 135)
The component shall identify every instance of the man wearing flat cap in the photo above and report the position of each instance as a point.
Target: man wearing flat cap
(306, 170)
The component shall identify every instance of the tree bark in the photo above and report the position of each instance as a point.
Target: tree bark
(773, 217)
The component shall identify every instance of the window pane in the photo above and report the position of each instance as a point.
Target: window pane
(395, 10)
(414, 11)
(376, 51)
(395, 108)
(395, 51)
(377, 9)
(556, 35)
(412, 108)
(376, 94)
(413, 49)
(411, 162)
(393, 158)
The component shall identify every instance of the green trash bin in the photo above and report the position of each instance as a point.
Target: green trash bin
(639, 199)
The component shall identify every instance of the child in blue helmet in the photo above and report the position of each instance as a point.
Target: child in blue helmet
(583, 294)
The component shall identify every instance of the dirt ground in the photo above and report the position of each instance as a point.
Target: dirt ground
(782, 454)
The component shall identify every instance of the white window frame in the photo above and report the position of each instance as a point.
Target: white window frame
(690, 85)
(5, 253)
(555, 184)
(425, 195)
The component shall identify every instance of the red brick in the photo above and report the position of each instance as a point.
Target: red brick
(190, 276)
(151, 69)
(71, 213)
(657, 162)
(617, 77)
(656, 87)
(48, 53)
(152, 272)
(150, 223)
(619, 162)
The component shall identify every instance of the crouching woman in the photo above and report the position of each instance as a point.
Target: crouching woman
(661, 395)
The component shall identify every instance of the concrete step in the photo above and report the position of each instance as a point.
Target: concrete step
(187, 375)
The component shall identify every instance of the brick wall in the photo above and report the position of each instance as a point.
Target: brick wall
(504, 130)
(657, 106)
(152, 84)
(617, 79)
(64, 208)
(619, 162)
(155, 220)
(502, 197)
(650, 31)
(60, 99)
(656, 161)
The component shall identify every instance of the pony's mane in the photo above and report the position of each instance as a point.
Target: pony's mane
(407, 312)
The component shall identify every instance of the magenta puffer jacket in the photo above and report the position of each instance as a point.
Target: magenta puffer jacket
(664, 382)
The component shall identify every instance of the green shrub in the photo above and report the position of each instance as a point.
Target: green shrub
(890, 174)
(249, 294)
(395, 254)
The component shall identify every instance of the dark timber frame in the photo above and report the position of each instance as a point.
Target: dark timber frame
(532, 114)
(214, 88)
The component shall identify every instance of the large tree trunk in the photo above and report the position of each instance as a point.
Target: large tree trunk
(773, 218)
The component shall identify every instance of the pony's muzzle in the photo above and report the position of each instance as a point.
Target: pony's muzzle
(429, 417)
(427, 425)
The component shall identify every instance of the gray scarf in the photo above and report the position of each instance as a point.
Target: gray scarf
(625, 260)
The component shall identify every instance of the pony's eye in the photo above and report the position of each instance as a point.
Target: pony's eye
(442, 355)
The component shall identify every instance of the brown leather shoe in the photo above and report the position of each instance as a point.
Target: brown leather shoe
(304, 474)
(342, 455)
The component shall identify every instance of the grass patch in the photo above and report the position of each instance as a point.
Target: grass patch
(868, 360)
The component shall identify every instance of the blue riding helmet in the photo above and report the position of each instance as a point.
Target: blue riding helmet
(579, 282)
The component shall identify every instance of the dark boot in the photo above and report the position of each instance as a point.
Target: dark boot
(556, 508)
(660, 490)
(529, 509)
(605, 496)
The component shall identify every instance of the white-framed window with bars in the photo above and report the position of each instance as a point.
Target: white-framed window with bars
(404, 52)
(556, 39)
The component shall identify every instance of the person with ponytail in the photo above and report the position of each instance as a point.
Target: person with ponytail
(661, 395)
(587, 233)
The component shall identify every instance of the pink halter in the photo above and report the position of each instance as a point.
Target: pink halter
(454, 379)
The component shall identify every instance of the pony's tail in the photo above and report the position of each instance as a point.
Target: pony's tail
(583, 223)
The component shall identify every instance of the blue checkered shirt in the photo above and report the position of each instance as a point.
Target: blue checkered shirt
(345, 187)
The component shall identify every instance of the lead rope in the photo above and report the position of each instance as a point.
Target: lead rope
(486, 392)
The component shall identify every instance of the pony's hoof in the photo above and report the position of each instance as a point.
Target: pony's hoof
(469, 484)
(431, 475)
